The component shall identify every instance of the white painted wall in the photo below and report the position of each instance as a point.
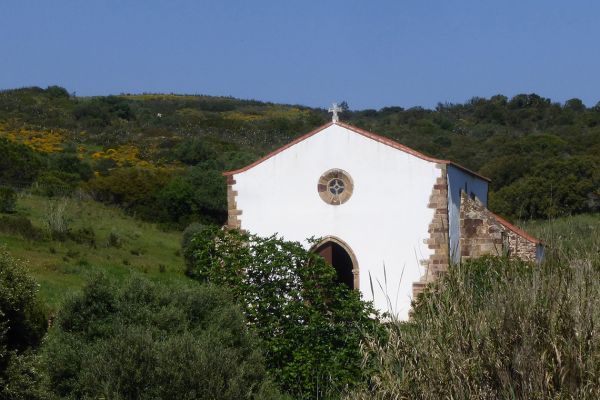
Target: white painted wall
(384, 222)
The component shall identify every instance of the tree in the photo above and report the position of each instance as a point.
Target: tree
(144, 340)
(311, 325)
(192, 152)
(553, 188)
(71, 164)
(19, 165)
(574, 105)
(200, 195)
(8, 199)
(135, 189)
(57, 92)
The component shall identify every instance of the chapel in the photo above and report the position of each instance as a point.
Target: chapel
(390, 218)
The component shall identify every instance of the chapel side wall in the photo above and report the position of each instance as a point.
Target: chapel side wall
(437, 263)
(483, 234)
(459, 181)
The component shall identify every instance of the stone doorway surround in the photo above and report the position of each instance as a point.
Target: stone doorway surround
(347, 249)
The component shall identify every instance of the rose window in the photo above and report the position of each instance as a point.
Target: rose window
(335, 187)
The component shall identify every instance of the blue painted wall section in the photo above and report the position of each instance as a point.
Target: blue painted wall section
(458, 180)
(539, 253)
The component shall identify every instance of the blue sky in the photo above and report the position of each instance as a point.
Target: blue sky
(370, 53)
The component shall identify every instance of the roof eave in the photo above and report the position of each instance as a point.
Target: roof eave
(279, 150)
(365, 133)
(516, 229)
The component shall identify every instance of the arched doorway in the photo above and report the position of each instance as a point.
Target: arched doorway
(339, 255)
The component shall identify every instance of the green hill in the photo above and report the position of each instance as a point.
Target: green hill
(98, 238)
(543, 157)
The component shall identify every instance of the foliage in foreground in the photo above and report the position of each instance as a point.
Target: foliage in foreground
(493, 328)
(143, 340)
(22, 325)
(310, 324)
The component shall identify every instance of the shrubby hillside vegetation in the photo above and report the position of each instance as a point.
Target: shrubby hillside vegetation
(141, 150)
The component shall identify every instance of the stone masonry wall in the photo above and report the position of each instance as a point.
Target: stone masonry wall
(438, 240)
(233, 221)
(484, 233)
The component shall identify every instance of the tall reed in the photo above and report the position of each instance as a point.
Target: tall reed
(495, 328)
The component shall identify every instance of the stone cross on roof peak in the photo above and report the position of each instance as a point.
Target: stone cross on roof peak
(335, 109)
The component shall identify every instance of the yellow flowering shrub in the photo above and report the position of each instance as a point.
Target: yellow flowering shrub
(45, 141)
(125, 155)
(129, 156)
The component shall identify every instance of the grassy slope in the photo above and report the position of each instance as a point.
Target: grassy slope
(573, 237)
(61, 267)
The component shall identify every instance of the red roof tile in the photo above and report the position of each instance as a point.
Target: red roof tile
(516, 229)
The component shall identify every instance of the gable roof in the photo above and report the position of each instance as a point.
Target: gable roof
(370, 135)
(516, 229)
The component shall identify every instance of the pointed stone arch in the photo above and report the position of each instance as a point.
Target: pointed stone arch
(341, 257)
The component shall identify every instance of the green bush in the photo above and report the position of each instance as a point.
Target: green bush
(114, 239)
(135, 189)
(494, 328)
(71, 164)
(22, 226)
(22, 322)
(102, 111)
(19, 165)
(192, 152)
(57, 92)
(142, 340)
(554, 188)
(200, 194)
(21, 316)
(55, 184)
(311, 325)
(25, 378)
(8, 199)
(85, 235)
(188, 234)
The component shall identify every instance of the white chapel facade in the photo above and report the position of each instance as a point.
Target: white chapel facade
(391, 219)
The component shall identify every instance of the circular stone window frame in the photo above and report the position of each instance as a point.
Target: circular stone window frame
(331, 180)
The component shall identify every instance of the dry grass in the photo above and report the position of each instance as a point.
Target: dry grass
(499, 329)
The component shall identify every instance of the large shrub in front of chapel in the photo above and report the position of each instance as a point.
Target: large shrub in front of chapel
(310, 325)
(143, 340)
